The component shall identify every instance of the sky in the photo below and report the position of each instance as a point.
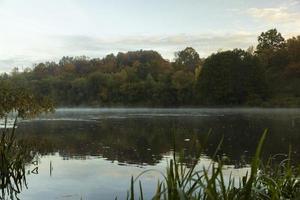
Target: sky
(35, 31)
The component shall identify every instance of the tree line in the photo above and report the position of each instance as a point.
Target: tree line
(268, 75)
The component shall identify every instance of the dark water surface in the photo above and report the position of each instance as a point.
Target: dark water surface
(94, 152)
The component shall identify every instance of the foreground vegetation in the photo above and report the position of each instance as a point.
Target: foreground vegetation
(17, 101)
(268, 75)
(14, 156)
(270, 181)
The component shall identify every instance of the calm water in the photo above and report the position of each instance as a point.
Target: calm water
(94, 152)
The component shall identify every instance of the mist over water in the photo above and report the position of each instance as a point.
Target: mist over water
(98, 149)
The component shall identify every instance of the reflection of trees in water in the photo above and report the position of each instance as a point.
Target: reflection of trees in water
(14, 156)
(144, 141)
(242, 132)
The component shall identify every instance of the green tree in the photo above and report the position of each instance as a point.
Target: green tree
(146, 78)
(270, 40)
(187, 59)
(293, 54)
(183, 82)
(231, 77)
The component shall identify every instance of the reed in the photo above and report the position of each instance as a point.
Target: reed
(14, 156)
(263, 181)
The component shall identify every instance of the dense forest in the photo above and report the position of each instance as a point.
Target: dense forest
(268, 75)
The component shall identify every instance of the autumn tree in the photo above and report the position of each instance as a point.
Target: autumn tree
(17, 97)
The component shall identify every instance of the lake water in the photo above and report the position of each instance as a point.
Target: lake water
(92, 153)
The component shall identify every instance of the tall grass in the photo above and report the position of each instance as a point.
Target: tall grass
(13, 158)
(263, 181)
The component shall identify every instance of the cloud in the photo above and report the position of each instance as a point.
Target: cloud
(285, 17)
(277, 15)
(21, 62)
(207, 43)
(76, 45)
(292, 2)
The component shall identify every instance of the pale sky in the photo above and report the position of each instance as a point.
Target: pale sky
(32, 31)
